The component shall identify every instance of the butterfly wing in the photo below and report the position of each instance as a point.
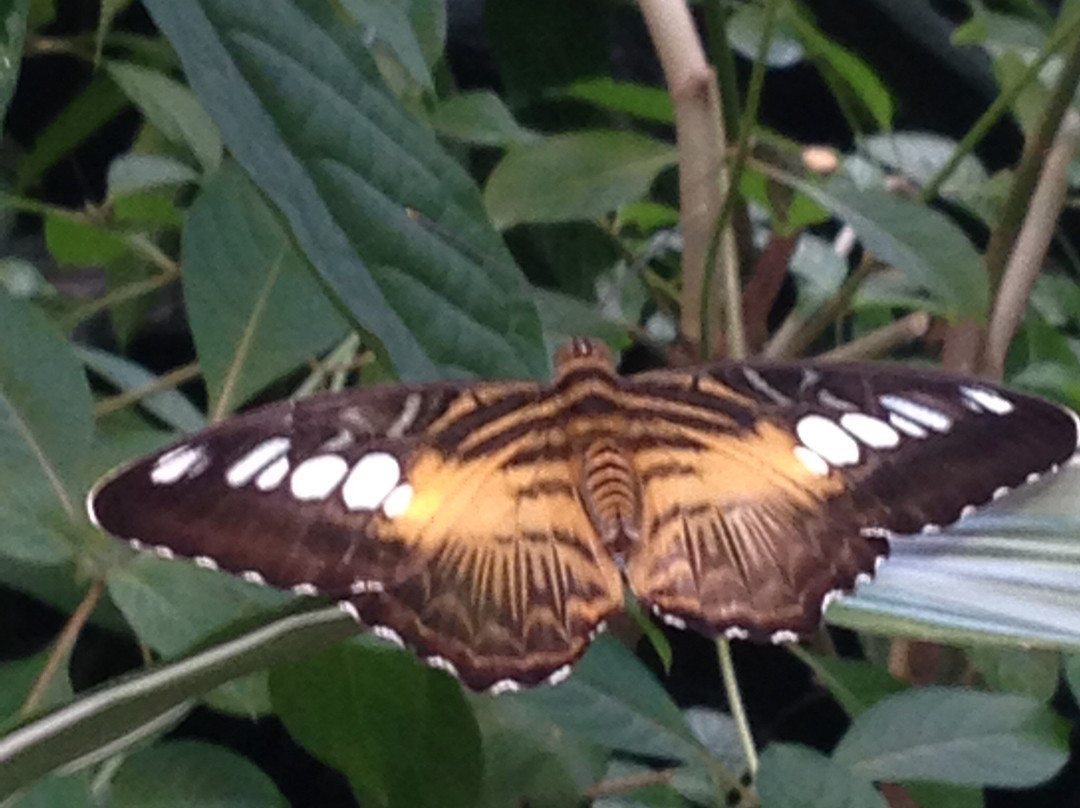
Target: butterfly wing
(793, 493)
(395, 502)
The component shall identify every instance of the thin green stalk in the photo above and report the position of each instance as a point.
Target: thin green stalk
(717, 14)
(999, 107)
(1027, 173)
(738, 711)
(736, 338)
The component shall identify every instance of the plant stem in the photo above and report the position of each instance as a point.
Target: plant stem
(167, 381)
(699, 134)
(62, 647)
(881, 340)
(1000, 106)
(738, 711)
(733, 319)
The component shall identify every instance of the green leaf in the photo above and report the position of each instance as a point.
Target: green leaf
(565, 316)
(401, 732)
(613, 700)
(921, 242)
(172, 109)
(391, 223)
(958, 736)
(172, 605)
(17, 677)
(187, 774)
(133, 172)
(118, 715)
(99, 102)
(529, 759)
(479, 117)
(574, 176)
(169, 405)
(76, 243)
(944, 795)
(12, 33)
(387, 24)
(856, 684)
(1027, 671)
(793, 776)
(45, 428)
(744, 29)
(838, 62)
(1072, 674)
(255, 309)
(56, 792)
(639, 100)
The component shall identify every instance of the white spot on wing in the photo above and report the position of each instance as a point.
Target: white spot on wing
(206, 562)
(253, 577)
(370, 481)
(907, 427)
(349, 609)
(919, 413)
(442, 663)
(361, 586)
(398, 501)
(874, 432)
(244, 470)
(272, 475)
(161, 551)
(388, 634)
(813, 462)
(672, 620)
(824, 437)
(736, 633)
(183, 461)
(305, 589)
(504, 686)
(561, 675)
(317, 476)
(783, 636)
(988, 399)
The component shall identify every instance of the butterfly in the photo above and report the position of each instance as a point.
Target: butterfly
(492, 526)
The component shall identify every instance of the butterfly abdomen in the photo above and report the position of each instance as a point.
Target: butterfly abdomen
(611, 491)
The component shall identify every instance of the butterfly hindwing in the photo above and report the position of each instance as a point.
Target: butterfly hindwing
(374, 498)
(749, 535)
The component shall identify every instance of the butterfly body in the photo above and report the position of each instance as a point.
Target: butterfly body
(492, 526)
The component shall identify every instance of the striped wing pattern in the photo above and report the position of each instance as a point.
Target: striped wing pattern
(492, 526)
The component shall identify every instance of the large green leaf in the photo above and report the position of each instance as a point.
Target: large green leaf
(613, 700)
(13, 28)
(120, 714)
(575, 176)
(45, 429)
(56, 792)
(172, 605)
(255, 309)
(402, 733)
(478, 117)
(391, 223)
(958, 736)
(388, 25)
(794, 776)
(187, 774)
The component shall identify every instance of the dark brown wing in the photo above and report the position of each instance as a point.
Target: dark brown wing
(393, 501)
(750, 527)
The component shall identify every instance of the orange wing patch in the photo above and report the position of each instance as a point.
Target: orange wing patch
(742, 535)
(507, 579)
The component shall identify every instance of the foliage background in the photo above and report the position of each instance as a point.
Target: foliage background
(213, 203)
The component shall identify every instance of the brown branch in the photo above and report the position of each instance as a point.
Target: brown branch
(1031, 245)
(882, 340)
(62, 647)
(630, 782)
(168, 381)
(699, 134)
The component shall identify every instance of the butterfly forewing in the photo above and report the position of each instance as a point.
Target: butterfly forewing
(490, 526)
